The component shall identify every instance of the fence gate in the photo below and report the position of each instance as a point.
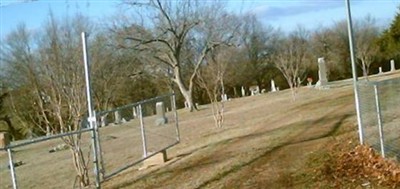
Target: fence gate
(134, 132)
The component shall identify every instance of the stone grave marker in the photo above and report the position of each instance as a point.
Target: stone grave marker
(309, 81)
(323, 81)
(243, 92)
(380, 70)
(117, 117)
(160, 111)
(254, 90)
(392, 66)
(224, 98)
(273, 87)
(134, 112)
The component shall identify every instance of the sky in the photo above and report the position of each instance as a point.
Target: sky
(285, 14)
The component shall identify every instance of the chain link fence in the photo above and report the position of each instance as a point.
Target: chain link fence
(380, 115)
(44, 162)
(134, 132)
(123, 137)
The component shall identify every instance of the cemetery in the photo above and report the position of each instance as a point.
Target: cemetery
(186, 94)
(258, 136)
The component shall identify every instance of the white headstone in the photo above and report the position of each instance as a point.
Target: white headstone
(117, 117)
(160, 111)
(134, 112)
(103, 121)
(224, 97)
(309, 81)
(323, 81)
(254, 90)
(273, 87)
(380, 70)
(243, 92)
(392, 66)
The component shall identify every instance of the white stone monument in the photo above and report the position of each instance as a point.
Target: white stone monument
(243, 92)
(392, 66)
(380, 70)
(160, 111)
(273, 87)
(224, 97)
(117, 117)
(134, 112)
(254, 90)
(323, 81)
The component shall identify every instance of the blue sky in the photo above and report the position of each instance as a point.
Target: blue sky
(286, 14)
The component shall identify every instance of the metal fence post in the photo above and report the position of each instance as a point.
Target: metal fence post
(354, 72)
(142, 130)
(99, 153)
(12, 168)
(92, 117)
(379, 116)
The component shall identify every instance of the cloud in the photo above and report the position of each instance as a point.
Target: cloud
(275, 9)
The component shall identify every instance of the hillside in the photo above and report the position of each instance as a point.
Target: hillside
(267, 141)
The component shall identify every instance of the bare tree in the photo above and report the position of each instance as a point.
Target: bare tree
(292, 56)
(212, 79)
(367, 33)
(47, 70)
(172, 37)
(259, 44)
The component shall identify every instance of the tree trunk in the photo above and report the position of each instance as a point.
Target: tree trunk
(187, 93)
(80, 165)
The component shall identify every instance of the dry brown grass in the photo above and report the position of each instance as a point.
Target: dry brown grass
(266, 142)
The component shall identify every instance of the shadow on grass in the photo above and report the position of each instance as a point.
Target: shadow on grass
(300, 137)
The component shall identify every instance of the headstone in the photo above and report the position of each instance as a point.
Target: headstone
(254, 90)
(273, 87)
(160, 111)
(224, 97)
(392, 66)
(197, 105)
(243, 92)
(103, 120)
(323, 81)
(134, 112)
(277, 88)
(117, 117)
(263, 91)
(380, 70)
(4, 139)
(309, 81)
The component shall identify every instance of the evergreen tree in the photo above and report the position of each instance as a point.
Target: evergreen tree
(390, 40)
